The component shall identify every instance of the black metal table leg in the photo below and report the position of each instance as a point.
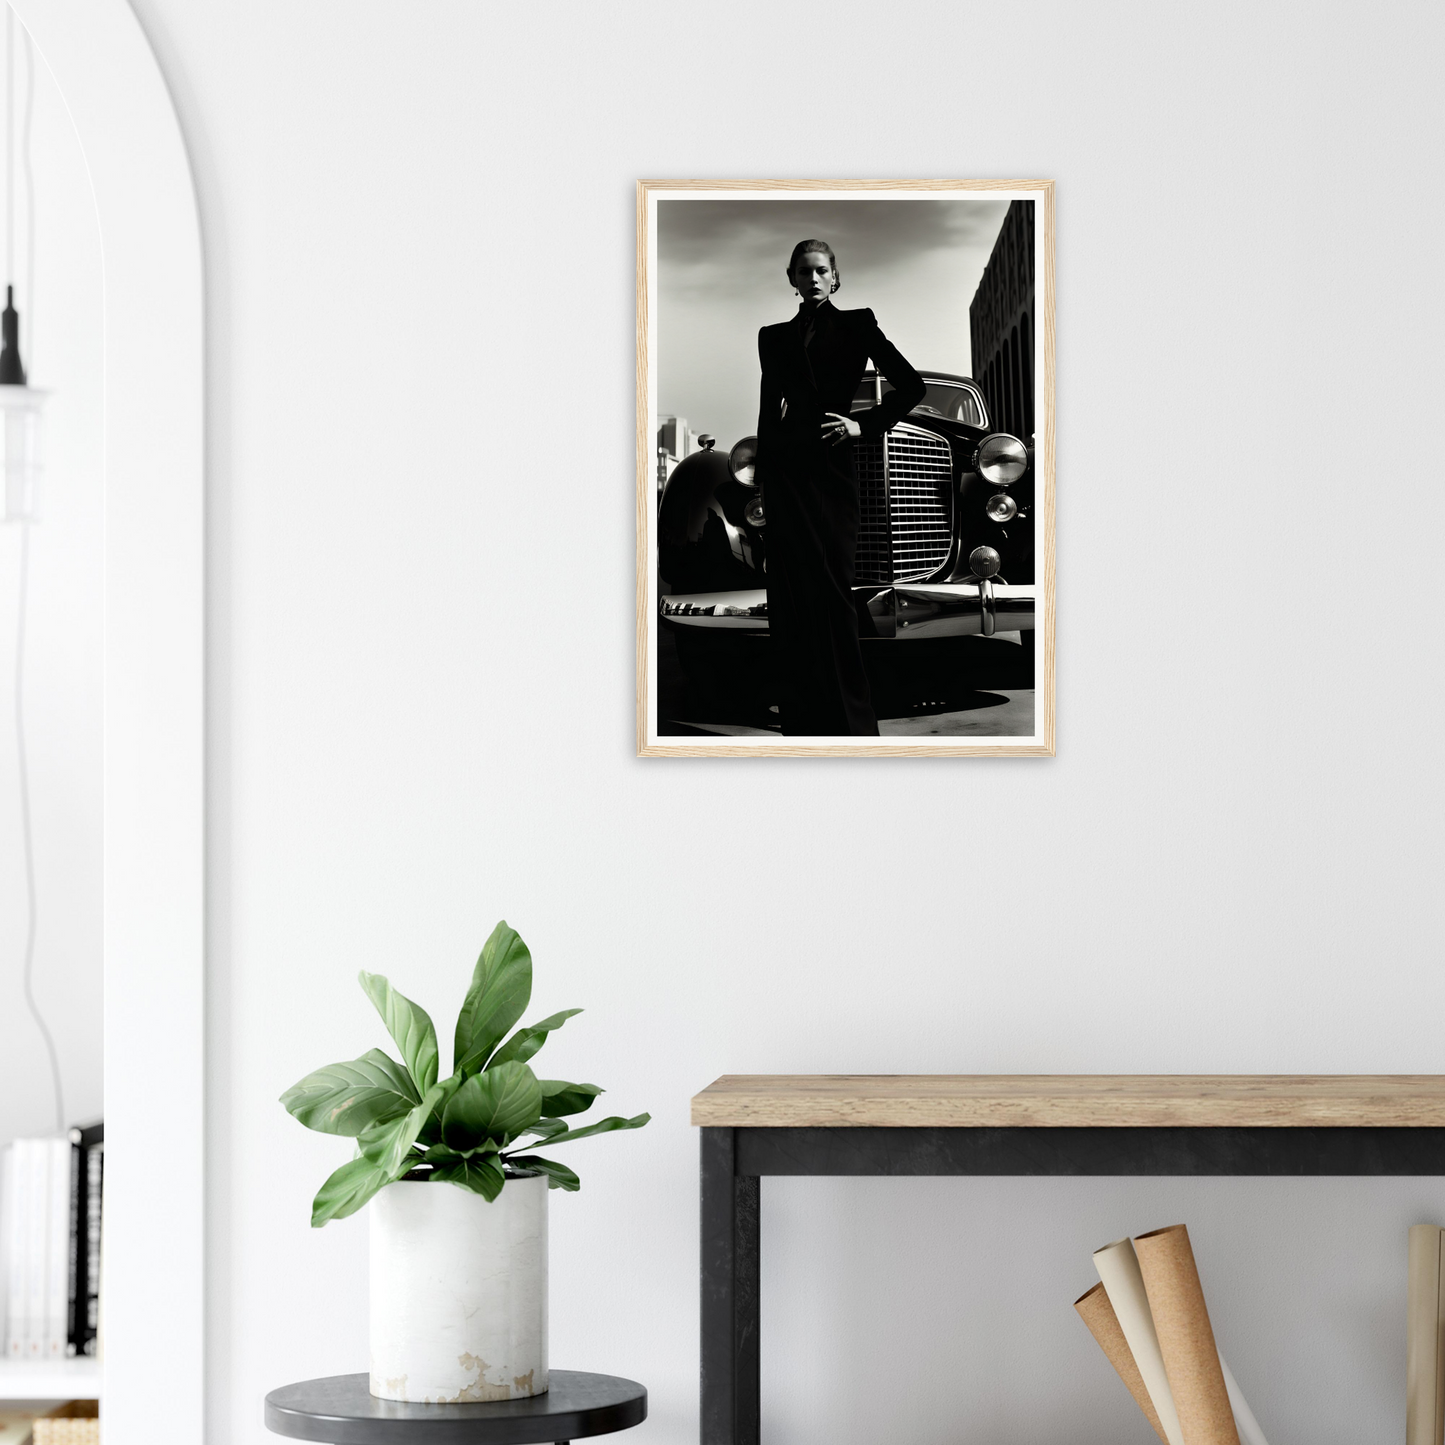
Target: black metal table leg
(730, 1290)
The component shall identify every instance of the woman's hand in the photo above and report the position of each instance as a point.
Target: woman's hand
(836, 428)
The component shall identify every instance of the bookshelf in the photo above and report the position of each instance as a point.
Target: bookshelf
(78, 1379)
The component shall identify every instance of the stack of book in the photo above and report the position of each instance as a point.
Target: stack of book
(1149, 1317)
(51, 1192)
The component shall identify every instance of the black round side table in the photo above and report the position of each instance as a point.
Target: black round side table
(341, 1410)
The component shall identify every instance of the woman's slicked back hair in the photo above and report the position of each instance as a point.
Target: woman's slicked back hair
(802, 249)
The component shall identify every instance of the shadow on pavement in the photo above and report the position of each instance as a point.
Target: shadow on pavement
(984, 690)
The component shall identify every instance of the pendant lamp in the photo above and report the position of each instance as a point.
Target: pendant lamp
(20, 403)
(20, 407)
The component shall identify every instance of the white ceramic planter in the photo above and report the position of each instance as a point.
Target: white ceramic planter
(459, 1292)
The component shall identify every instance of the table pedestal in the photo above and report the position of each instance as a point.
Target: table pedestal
(341, 1410)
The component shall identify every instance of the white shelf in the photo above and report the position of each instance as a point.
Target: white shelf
(77, 1379)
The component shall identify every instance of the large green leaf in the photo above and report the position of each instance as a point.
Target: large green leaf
(525, 1042)
(409, 1024)
(560, 1097)
(603, 1126)
(498, 1104)
(431, 1130)
(481, 1174)
(352, 1098)
(440, 1154)
(559, 1176)
(501, 989)
(389, 1146)
(546, 1129)
(347, 1190)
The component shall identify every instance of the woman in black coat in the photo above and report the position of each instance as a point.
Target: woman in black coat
(811, 369)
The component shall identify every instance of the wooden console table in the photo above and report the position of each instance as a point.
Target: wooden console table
(1014, 1124)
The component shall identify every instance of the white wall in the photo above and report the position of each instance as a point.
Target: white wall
(61, 342)
(419, 230)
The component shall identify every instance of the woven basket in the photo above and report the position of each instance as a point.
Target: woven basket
(66, 1432)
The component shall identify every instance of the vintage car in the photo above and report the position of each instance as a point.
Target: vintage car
(945, 556)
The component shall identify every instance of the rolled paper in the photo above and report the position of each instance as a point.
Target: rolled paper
(1096, 1311)
(1244, 1421)
(1423, 1338)
(1119, 1270)
(1186, 1338)
(1440, 1350)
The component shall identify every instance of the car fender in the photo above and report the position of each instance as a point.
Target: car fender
(705, 542)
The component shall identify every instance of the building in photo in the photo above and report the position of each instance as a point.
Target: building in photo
(1001, 325)
(675, 440)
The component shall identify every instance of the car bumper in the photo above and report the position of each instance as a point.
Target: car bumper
(902, 612)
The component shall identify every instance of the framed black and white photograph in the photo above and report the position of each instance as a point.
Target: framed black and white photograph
(845, 468)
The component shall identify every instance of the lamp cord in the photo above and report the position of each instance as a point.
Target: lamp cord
(27, 345)
(9, 144)
(27, 838)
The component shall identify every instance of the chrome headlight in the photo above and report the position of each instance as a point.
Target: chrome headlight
(1001, 507)
(743, 461)
(984, 562)
(754, 512)
(1001, 459)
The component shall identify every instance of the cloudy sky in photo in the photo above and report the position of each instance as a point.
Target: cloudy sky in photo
(721, 274)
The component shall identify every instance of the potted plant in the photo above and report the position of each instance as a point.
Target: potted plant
(459, 1275)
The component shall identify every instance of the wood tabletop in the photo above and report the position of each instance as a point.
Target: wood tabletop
(1071, 1100)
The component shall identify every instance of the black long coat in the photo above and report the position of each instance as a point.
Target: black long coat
(810, 491)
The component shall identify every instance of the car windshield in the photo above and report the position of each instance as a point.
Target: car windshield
(942, 398)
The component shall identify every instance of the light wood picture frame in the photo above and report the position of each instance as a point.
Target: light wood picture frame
(954, 530)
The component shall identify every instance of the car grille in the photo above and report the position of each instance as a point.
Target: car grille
(905, 491)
